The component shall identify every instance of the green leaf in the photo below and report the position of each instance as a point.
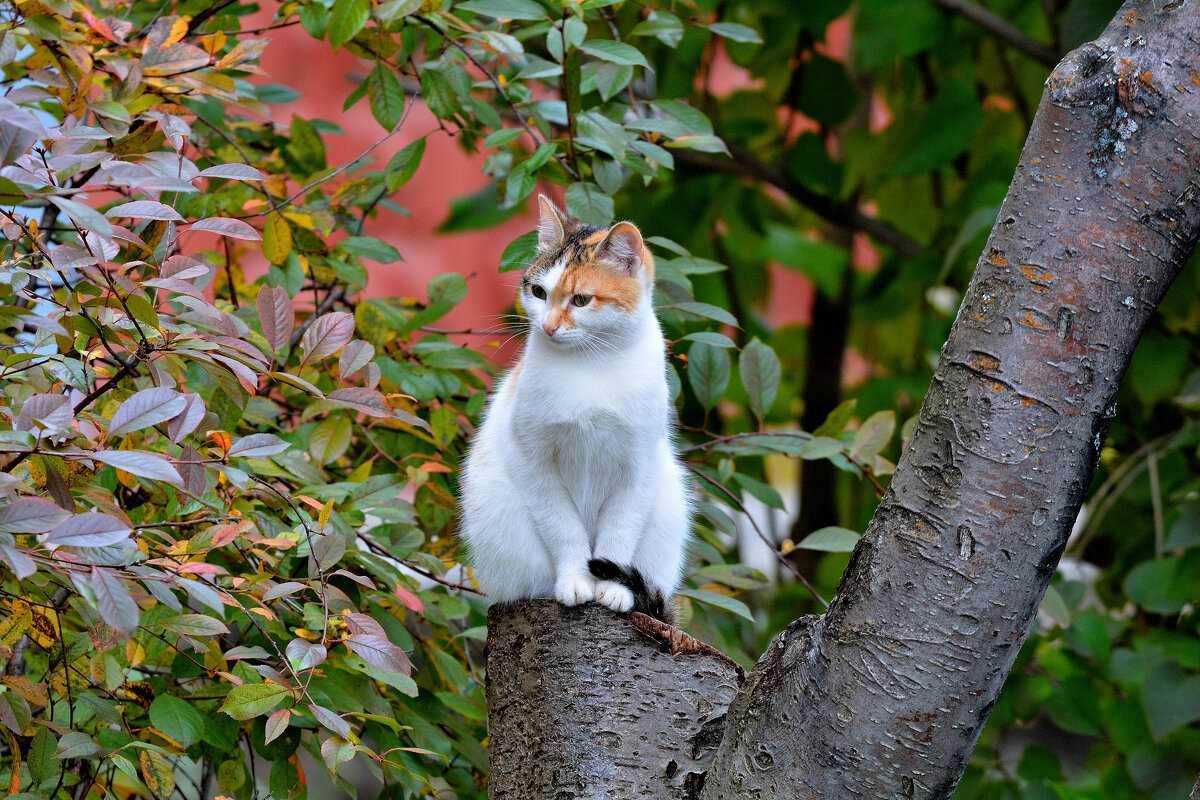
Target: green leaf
(370, 247)
(831, 539)
(720, 601)
(708, 371)
(438, 92)
(446, 291)
(761, 373)
(615, 52)
(41, 755)
(194, 625)
(705, 311)
(346, 19)
(936, 135)
(888, 30)
(874, 435)
(519, 252)
(589, 203)
(1171, 698)
(385, 95)
(1163, 586)
(837, 420)
(177, 719)
(329, 440)
(252, 700)
(612, 78)
(306, 147)
(735, 32)
(404, 165)
(711, 338)
(505, 9)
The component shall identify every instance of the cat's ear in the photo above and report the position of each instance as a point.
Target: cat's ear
(552, 225)
(623, 247)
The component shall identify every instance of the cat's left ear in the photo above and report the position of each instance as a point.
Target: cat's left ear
(552, 225)
(623, 247)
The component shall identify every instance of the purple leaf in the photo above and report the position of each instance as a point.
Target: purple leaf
(113, 601)
(277, 315)
(51, 413)
(327, 335)
(92, 529)
(16, 558)
(184, 268)
(380, 653)
(30, 515)
(186, 421)
(145, 408)
(355, 356)
(237, 172)
(225, 226)
(331, 721)
(305, 655)
(145, 209)
(258, 445)
(142, 464)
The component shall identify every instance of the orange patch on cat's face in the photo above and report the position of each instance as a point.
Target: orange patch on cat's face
(597, 282)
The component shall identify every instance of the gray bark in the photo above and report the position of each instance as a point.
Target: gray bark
(585, 704)
(885, 696)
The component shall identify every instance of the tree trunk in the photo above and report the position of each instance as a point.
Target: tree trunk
(885, 696)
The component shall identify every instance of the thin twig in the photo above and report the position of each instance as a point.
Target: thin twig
(766, 539)
(743, 163)
(499, 87)
(1002, 29)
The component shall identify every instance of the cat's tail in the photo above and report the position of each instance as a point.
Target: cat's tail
(646, 599)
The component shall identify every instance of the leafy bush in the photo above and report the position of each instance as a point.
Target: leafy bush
(228, 525)
(227, 548)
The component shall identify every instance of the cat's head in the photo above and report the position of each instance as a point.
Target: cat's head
(586, 285)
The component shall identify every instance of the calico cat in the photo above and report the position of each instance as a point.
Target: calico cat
(572, 488)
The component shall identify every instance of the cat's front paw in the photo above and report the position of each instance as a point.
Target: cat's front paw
(614, 596)
(571, 590)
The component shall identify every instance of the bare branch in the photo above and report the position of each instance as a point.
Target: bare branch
(1002, 30)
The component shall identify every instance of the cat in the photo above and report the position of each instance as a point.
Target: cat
(572, 488)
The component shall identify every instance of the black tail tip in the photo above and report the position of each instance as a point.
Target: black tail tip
(646, 599)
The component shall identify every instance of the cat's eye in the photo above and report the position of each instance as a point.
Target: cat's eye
(538, 292)
(581, 300)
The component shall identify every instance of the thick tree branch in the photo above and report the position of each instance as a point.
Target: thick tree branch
(585, 704)
(886, 696)
(1002, 30)
(742, 163)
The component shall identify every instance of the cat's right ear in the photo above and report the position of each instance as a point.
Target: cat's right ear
(552, 230)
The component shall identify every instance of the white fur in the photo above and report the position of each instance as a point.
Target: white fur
(574, 460)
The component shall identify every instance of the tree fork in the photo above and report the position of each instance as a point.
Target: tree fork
(885, 696)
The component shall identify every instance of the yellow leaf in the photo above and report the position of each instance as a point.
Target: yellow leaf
(326, 510)
(212, 43)
(277, 238)
(15, 624)
(303, 220)
(34, 693)
(98, 669)
(179, 29)
(157, 772)
(135, 653)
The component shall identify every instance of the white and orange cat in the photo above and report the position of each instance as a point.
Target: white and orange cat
(572, 488)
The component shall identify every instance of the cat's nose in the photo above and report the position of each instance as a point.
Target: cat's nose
(549, 329)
